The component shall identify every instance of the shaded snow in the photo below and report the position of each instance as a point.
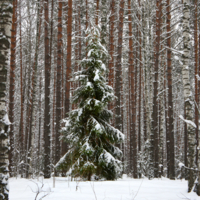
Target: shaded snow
(123, 189)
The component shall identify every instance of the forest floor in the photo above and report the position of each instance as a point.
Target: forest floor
(122, 189)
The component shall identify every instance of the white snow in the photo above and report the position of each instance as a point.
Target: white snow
(98, 127)
(89, 53)
(96, 75)
(188, 121)
(123, 189)
(176, 57)
(108, 157)
(181, 165)
(6, 120)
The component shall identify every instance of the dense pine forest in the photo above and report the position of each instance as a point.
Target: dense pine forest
(100, 87)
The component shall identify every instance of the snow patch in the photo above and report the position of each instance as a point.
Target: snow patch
(96, 78)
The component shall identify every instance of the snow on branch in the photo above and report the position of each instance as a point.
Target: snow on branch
(188, 121)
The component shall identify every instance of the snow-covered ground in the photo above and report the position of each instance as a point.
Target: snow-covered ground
(123, 189)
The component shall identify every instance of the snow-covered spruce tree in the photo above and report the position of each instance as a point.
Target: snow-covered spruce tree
(92, 139)
(5, 34)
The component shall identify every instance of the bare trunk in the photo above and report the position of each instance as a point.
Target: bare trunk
(47, 161)
(5, 24)
(133, 140)
(189, 103)
(12, 86)
(170, 97)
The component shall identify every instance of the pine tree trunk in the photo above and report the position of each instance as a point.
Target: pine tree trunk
(189, 103)
(154, 134)
(118, 78)
(12, 86)
(69, 59)
(47, 162)
(21, 126)
(133, 141)
(111, 49)
(59, 82)
(29, 95)
(97, 13)
(170, 96)
(54, 79)
(103, 22)
(140, 86)
(6, 25)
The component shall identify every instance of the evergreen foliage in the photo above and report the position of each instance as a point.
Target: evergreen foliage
(87, 129)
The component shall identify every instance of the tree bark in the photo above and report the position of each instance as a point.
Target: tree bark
(69, 57)
(59, 82)
(47, 161)
(5, 24)
(12, 86)
(154, 164)
(111, 49)
(97, 13)
(171, 160)
(118, 78)
(133, 140)
(189, 103)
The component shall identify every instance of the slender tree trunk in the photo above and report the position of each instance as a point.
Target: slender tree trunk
(5, 24)
(33, 103)
(196, 91)
(133, 141)
(118, 78)
(97, 13)
(21, 126)
(140, 86)
(69, 65)
(196, 73)
(12, 86)
(103, 23)
(47, 159)
(170, 96)
(111, 49)
(69, 57)
(29, 95)
(54, 85)
(154, 133)
(189, 103)
(59, 82)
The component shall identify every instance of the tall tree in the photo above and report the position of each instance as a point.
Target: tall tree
(196, 71)
(47, 161)
(69, 57)
(59, 82)
(154, 133)
(92, 138)
(111, 47)
(118, 77)
(171, 160)
(21, 125)
(189, 103)
(197, 115)
(133, 140)
(6, 9)
(12, 84)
